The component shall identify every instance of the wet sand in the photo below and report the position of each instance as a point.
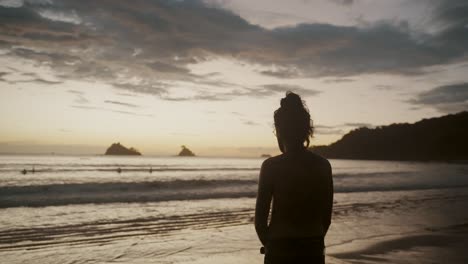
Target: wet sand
(441, 245)
(422, 226)
(223, 237)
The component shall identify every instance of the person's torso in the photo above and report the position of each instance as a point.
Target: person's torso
(298, 196)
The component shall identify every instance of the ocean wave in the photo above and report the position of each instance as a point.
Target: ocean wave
(122, 169)
(155, 191)
(111, 192)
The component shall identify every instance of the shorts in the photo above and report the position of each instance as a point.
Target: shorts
(295, 250)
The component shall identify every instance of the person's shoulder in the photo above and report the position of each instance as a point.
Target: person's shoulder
(323, 162)
(271, 161)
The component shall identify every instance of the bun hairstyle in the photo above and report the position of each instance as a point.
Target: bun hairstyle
(292, 121)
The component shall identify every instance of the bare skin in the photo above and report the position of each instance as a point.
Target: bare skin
(300, 185)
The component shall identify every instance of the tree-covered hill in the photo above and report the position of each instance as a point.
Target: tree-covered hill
(442, 138)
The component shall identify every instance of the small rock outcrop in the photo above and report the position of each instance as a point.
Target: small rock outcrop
(185, 152)
(119, 149)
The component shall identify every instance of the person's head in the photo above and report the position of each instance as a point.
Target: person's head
(293, 125)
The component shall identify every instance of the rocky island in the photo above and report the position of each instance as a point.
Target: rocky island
(185, 152)
(119, 149)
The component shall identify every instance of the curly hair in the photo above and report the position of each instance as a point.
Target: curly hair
(292, 121)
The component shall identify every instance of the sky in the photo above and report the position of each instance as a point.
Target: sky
(76, 76)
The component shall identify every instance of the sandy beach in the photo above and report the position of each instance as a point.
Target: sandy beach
(75, 210)
(118, 233)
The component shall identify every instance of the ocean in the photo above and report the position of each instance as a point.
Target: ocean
(102, 209)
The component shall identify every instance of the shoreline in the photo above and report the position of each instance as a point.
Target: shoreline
(226, 236)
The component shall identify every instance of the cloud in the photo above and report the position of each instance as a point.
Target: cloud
(339, 80)
(200, 97)
(127, 94)
(251, 92)
(110, 110)
(256, 92)
(11, 3)
(16, 76)
(385, 87)
(328, 130)
(282, 88)
(70, 17)
(338, 129)
(168, 68)
(282, 73)
(447, 99)
(250, 123)
(153, 88)
(357, 125)
(343, 2)
(3, 74)
(121, 103)
(155, 42)
(75, 92)
(80, 98)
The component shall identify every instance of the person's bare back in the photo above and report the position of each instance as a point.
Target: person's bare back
(299, 185)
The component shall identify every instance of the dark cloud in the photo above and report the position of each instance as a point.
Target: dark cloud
(34, 80)
(250, 123)
(282, 88)
(46, 81)
(339, 80)
(343, 2)
(49, 36)
(447, 99)
(451, 13)
(167, 68)
(283, 73)
(121, 103)
(155, 41)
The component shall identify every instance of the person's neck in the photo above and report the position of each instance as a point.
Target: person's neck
(293, 148)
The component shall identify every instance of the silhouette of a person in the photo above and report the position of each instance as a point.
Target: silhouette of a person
(299, 186)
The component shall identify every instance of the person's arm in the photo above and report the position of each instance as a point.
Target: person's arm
(329, 198)
(262, 207)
